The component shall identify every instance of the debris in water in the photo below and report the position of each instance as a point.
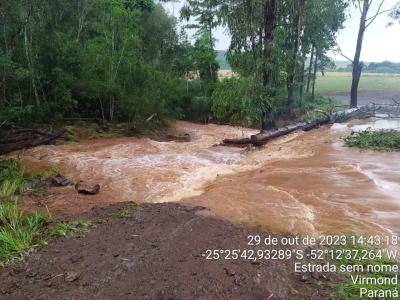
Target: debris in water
(48, 182)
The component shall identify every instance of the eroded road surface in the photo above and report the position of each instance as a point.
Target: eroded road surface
(303, 183)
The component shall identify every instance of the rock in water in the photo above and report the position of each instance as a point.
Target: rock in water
(58, 181)
(87, 188)
(48, 182)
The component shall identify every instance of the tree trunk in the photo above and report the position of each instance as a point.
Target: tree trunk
(269, 26)
(310, 65)
(28, 141)
(301, 77)
(357, 65)
(293, 67)
(341, 116)
(314, 77)
(28, 53)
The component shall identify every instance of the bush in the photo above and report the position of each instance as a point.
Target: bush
(382, 140)
(242, 101)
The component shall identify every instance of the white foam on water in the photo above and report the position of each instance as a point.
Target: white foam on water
(339, 126)
(378, 125)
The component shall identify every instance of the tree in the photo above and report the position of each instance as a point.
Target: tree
(206, 18)
(322, 20)
(395, 14)
(357, 65)
(112, 59)
(204, 57)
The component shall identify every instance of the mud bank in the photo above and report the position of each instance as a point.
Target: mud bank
(156, 253)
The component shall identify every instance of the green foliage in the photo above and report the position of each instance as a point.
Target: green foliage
(125, 212)
(205, 57)
(11, 178)
(18, 230)
(63, 229)
(241, 100)
(45, 172)
(379, 67)
(324, 104)
(114, 59)
(381, 140)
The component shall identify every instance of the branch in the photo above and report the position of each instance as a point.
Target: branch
(378, 12)
(359, 6)
(339, 51)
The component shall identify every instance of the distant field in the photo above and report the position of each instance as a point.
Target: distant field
(374, 87)
(335, 83)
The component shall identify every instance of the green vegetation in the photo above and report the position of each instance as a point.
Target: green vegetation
(350, 290)
(11, 178)
(21, 230)
(381, 140)
(379, 67)
(125, 212)
(117, 60)
(126, 61)
(45, 172)
(18, 230)
(340, 83)
(63, 229)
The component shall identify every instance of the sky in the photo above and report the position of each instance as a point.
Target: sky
(380, 41)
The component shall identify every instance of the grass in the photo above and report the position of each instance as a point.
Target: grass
(340, 83)
(11, 178)
(351, 291)
(324, 104)
(18, 230)
(125, 212)
(46, 172)
(381, 140)
(63, 229)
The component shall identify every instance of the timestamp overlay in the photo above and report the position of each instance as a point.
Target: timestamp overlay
(365, 266)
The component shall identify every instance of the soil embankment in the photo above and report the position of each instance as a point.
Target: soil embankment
(154, 254)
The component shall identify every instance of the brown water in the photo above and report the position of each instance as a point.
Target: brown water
(303, 183)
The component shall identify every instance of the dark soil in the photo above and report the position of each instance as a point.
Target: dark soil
(154, 253)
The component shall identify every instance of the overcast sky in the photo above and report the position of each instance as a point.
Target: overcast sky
(380, 42)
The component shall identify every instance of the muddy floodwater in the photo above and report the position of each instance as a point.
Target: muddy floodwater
(307, 182)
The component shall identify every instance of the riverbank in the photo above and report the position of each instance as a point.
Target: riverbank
(155, 253)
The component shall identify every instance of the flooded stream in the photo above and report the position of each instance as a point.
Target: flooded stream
(303, 183)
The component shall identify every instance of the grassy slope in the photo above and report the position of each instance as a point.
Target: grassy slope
(340, 83)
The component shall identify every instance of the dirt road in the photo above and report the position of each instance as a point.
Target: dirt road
(155, 253)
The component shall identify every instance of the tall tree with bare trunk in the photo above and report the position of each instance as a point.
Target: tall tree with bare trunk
(365, 21)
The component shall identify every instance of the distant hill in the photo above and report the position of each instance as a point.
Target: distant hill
(373, 67)
(223, 63)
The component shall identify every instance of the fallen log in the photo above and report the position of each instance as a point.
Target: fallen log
(33, 131)
(336, 117)
(28, 141)
(237, 141)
